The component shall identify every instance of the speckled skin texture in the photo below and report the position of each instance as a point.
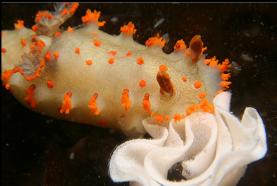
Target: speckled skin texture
(32, 142)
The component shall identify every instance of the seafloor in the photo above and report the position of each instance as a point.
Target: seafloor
(37, 150)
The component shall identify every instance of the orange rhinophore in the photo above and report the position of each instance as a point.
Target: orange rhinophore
(92, 17)
(164, 81)
(23, 42)
(92, 104)
(197, 84)
(146, 103)
(66, 104)
(125, 99)
(142, 83)
(155, 41)
(180, 46)
(30, 96)
(19, 24)
(195, 48)
(140, 61)
(128, 29)
(50, 84)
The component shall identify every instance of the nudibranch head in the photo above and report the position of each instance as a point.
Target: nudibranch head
(86, 75)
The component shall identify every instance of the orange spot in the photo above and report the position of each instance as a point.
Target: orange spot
(206, 106)
(226, 64)
(140, 61)
(57, 34)
(225, 77)
(111, 61)
(192, 108)
(35, 28)
(125, 99)
(142, 83)
(73, 8)
(197, 84)
(155, 41)
(96, 42)
(70, 29)
(43, 14)
(66, 104)
(180, 45)
(146, 103)
(159, 118)
(50, 84)
(163, 68)
(19, 24)
(77, 51)
(177, 117)
(212, 62)
(30, 96)
(225, 84)
(201, 95)
(47, 56)
(112, 52)
(184, 78)
(56, 55)
(129, 53)
(6, 77)
(128, 29)
(23, 42)
(92, 17)
(64, 12)
(3, 50)
(89, 62)
(92, 104)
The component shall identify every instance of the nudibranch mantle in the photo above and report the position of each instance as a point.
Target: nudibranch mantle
(88, 76)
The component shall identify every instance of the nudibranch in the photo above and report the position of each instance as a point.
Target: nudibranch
(88, 76)
(181, 99)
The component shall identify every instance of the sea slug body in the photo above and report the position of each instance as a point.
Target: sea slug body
(87, 61)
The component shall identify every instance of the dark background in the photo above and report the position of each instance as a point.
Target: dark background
(36, 148)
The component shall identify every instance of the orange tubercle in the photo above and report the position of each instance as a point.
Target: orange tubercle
(50, 84)
(70, 29)
(146, 103)
(19, 24)
(56, 55)
(35, 28)
(184, 78)
(225, 84)
(30, 96)
(163, 68)
(197, 84)
(180, 45)
(43, 14)
(48, 56)
(66, 104)
(129, 53)
(155, 41)
(112, 52)
(111, 60)
(177, 117)
(77, 51)
(128, 29)
(225, 77)
(92, 17)
(159, 118)
(3, 50)
(93, 106)
(201, 95)
(57, 34)
(142, 83)
(125, 100)
(206, 106)
(89, 62)
(23, 42)
(192, 108)
(140, 61)
(97, 43)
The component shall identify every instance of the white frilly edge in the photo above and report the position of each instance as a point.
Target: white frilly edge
(214, 149)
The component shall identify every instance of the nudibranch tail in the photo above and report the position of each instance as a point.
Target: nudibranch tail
(129, 82)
